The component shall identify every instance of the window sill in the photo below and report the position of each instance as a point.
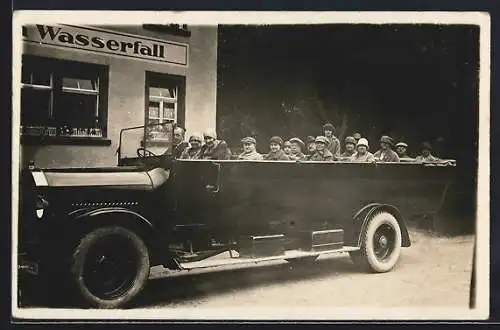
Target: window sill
(65, 140)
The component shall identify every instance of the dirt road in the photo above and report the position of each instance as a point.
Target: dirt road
(435, 271)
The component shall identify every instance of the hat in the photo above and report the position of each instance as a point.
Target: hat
(286, 142)
(357, 136)
(386, 139)
(401, 144)
(248, 139)
(211, 134)
(350, 139)
(196, 137)
(299, 141)
(276, 139)
(322, 139)
(310, 139)
(426, 146)
(329, 126)
(362, 142)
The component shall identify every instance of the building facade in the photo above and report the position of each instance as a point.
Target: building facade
(82, 84)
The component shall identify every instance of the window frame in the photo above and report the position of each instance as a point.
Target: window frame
(60, 69)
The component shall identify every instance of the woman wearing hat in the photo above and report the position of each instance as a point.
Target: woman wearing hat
(401, 150)
(426, 155)
(275, 152)
(296, 149)
(321, 153)
(333, 142)
(249, 149)
(362, 155)
(350, 148)
(385, 153)
(194, 151)
(214, 148)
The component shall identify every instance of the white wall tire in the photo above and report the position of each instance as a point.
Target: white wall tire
(380, 244)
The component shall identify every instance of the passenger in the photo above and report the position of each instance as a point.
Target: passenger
(426, 156)
(362, 155)
(249, 149)
(213, 148)
(275, 152)
(296, 149)
(287, 148)
(179, 144)
(350, 148)
(194, 151)
(321, 153)
(356, 136)
(385, 153)
(334, 143)
(310, 146)
(401, 149)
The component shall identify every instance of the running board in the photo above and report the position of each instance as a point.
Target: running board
(290, 254)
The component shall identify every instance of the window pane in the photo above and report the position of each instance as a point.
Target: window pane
(168, 110)
(160, 92)
(35, 77)
(35, 105)
(86, 84)
(76, 110)
(154, 109)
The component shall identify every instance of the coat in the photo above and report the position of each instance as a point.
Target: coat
(325, 156)
(219, 150)
(279, 155)
(254, 155)
(190, 153)
(366, 158)
(299, 156)
(179, 149)
(388, 155)
(334, 146)
(430, 158)
(346, 156)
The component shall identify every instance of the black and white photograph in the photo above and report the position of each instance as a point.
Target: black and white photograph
(250, 165)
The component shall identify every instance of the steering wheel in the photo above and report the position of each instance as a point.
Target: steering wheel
(143, 152)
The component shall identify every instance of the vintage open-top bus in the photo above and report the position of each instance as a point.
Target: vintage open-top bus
(97, 231)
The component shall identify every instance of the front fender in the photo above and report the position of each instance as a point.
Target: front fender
(363, 216)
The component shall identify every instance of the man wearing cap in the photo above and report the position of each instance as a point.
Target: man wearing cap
(385, 153)
(179, 144)
(426, 155)
(401, 150)
(296, 149)
(350, 148)
(275, 152)
(310, 145)
(249, 149)
(321, 153)
(333, 141)
(362, 155)
(194, 151)
(213, 148)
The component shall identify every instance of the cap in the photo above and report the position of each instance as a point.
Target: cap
(357, 136)
(276, 139)
(310, 139)
(401, 144)
(426, 146)
(350, 139)
(248, 139)
(386, 139)
(196, 137)
(211, 134)
(322, 139)
(286, 143)
(362, 142)
(329, 126)
(298, 141)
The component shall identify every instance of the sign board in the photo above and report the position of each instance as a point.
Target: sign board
(107, 42)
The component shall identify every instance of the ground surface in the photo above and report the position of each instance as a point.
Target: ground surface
(435, 271)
